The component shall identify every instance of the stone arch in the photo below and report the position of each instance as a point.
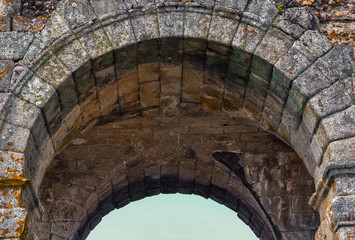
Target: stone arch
(253, 65)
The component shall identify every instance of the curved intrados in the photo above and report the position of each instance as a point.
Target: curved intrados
(208, 154)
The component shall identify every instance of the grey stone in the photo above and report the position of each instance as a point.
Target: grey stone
(341, 150)
(13, 45)
(76, 13)
(14, 220)
(274, 44)
(222, 28)
(94, 41)
(106, 8)
(301, 16)
(197, 23)
(120, 33)
(343, 210)
(313, 44)
(324, 104)
(55, 28)
(73, 55)
(171, 22)
(6, 68)
(260, 13)
(337, 126)
(231, 5)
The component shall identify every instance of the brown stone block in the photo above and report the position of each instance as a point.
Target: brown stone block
(127, 85)
(203, 173)
(91, 110)
(150, 94)
(148, 72)
(191, 94)
(105, 76)
(108, 96)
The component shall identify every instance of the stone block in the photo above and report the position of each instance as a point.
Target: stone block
(76, 13)
(312, 44)
(13, 164)
(95, 42)
(150, 94)
(191, 85)
(260, 13)
(120, 33)
(12, 223)
(16, 139)
(222, 28)
(55, 27)
(9, 8)
(106, 8)
(274, 44)
(171, 23)
(170, 77)
(341, 150)
(4, 24)
(291, 64)
(58, 76)
(105, 77)
(145, 25)
(343, 213)
(148, 72)
(73, 57)
(324, 104)
(108, 96)
(6, 68)
(246, 39)
(14, 44)
(231, 5)
(197, 23)
(148, 51)
(344, 185)
(337, 126)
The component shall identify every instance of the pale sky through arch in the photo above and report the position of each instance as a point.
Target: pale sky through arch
(172, 217)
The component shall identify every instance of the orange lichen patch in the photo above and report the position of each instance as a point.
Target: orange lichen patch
(21, 226)
(3, 73)
(4, 193)
(10, 144)
(14, 181)
(246, 31)
(4, 232)
(4, 24)
(308, 3)
(22, 23)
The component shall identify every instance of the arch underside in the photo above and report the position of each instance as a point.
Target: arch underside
(211, 155)
(160, 68)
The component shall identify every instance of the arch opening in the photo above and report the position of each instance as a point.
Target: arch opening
(170, 216)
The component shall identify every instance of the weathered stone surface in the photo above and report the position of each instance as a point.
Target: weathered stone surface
(14, 44)
(196, 23)
(337, 126)
(107, 7)
(12, 222)
(260, 13)
(343, 210)
(6, 68)
(76, 13)
(324, 104)
(341, 150)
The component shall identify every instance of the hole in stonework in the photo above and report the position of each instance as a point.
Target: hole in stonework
(172, 217)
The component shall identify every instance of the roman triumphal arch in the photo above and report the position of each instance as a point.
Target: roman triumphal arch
(234, 100)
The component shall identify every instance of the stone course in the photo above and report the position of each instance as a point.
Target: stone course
(99, 64)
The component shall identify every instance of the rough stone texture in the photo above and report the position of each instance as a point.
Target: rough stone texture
(102, 65)
(14, 44)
